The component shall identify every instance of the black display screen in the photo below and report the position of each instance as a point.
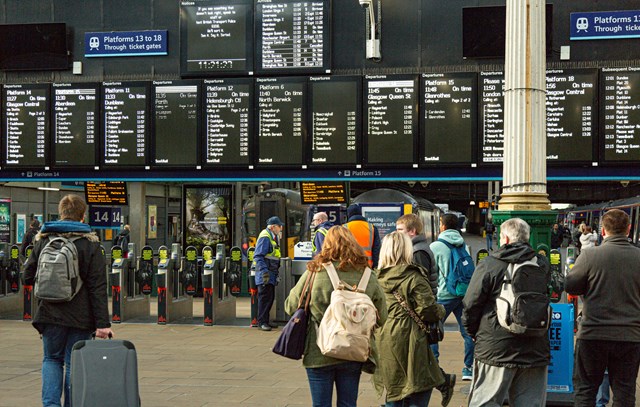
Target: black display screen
(391, 119)
(571, 114)
(620, 141)
(176, 129)
(293, 36)
(335, 119)
(216, 37)
(126, 123)
(491, 117)
(281, 120)
(75, 124)
(25, 109)
(228, 121)
(449, 118)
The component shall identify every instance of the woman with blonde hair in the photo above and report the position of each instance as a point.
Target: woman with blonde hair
(340, 248)
(407, 368)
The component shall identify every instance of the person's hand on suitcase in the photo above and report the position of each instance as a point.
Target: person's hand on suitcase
(104, 333)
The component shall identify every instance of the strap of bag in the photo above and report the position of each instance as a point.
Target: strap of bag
(337, 284)
(306, 291)
(411, 312)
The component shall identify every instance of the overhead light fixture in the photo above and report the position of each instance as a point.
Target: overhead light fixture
(472, 203)
(48, 189)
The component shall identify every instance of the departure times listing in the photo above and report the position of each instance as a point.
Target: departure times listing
(571, 114)
(126, 123)
(176, 123)
(448, 117)
(335, 119)
(25, 110)
(492, 116)
(228, 121)
(293, 35)
(281, 115)
(217, 36)
(75, 124)
(621, 114)
(391, 118)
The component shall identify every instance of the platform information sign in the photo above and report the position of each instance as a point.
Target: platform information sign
(605, 25)
(621, 114)
(125, 43)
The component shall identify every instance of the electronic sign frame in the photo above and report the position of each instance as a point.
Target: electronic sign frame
(213, 49)
(106, 193)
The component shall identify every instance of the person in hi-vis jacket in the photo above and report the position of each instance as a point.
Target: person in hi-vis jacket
(266, 263)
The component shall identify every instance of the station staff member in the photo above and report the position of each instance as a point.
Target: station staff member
(266, 262)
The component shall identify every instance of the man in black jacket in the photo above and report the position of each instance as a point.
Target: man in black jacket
(61, 324)
(608, 278)
(506, 365)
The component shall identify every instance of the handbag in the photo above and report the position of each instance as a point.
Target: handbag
(291, 341)
(434, 330)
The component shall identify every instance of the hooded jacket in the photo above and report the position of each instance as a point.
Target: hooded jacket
(494, 345)
(88, 309)
(423, 256)
(442, 255)
(406, 362)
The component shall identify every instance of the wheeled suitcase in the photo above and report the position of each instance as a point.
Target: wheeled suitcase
(104, 373)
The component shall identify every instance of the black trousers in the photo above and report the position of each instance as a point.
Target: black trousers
(592, 358)
(266, 295)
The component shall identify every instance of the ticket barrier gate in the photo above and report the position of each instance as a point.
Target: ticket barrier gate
(28, 302)
(173, 303)
(126, 299)
(11, 302)
(218, 304)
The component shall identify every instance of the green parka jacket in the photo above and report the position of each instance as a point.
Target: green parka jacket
(406, 363)
(320, 299)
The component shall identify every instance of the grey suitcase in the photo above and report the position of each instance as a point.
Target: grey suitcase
(104, 373)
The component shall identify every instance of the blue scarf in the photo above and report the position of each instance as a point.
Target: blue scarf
(65, 226)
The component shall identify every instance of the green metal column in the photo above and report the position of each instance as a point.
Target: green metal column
(540, 222)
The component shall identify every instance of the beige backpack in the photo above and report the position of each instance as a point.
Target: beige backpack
(349, 321)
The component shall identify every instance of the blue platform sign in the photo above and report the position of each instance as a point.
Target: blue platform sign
(560, 378)
(604, 25)
(125, 43)
(104, 217)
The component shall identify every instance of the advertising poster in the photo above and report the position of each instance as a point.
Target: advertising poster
(207, 216)
(152, 222)
(383, 216)
(5, 220)
(21, 226)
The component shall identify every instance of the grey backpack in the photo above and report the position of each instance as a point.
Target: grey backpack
(58, 275)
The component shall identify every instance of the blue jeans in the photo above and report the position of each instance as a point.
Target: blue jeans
(413, 400)
(57, 342)
(490, 241)
(602, 398)
(346, 377)
(455, 305)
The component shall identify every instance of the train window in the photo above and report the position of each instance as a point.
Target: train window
(294, 223)
(250, 224)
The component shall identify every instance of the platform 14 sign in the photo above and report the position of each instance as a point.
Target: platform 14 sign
(104, 217)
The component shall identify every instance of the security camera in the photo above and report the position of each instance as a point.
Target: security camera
(411, 183)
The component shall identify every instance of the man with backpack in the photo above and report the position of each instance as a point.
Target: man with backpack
(507, 312)
(122, 238)
(72, 294)
(455, 267)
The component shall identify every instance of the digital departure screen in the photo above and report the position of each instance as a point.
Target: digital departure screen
(620, 141)
(391, 118)
(491, 116)
(25, 109)
(571, 114)
(176, 129)
(335, 122)
(216, 37)
(228, 121)
(106, 193)
(75, 124)
(126, 123)
(281, 120)
(449, 118)
(293, 36)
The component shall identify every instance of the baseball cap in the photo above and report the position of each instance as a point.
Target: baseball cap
(274, 220)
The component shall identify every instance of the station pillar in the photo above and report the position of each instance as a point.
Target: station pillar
(540, 222)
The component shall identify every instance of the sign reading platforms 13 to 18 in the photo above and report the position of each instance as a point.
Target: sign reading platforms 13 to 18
(125, 43)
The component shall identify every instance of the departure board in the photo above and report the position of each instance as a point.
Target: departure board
(571, 114)
(106, 193)
(75, 124)
(228, 121)
(176, 129)
(449, 118)
(216, 37)
(491, 116)
(391, 119)
(25, 109)
(293, 36)
(335, 119)
(620, 114)
(281, 120)
(125, 107)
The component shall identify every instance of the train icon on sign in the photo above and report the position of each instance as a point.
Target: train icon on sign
(94, 43)
(582, 24)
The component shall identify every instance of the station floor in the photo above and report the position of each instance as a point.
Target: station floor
(193, 365)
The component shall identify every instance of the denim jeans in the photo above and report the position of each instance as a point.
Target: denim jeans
(57, 342)
(412, 400)
(346, 377)
(455, 305)
(602, 398)
(490, 241)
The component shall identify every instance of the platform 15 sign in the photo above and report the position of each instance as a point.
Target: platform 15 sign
(104, 217)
